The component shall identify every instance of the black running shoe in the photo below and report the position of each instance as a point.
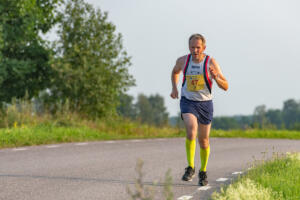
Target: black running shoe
(189, 174)
(202, 178)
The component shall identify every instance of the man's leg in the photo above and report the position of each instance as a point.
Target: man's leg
(203, 136)
(191, 125)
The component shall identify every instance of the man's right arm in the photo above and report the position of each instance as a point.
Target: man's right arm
(175, 76)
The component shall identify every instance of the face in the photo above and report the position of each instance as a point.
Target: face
(196, 48)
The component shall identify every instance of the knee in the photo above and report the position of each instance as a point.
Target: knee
(204, 143)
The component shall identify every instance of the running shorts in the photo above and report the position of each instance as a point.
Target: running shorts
(203, 110)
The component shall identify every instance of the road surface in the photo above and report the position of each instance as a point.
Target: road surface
(103, 170)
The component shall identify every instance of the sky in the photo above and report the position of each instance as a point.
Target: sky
(255, 42)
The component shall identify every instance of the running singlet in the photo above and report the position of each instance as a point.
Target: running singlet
(197, 81)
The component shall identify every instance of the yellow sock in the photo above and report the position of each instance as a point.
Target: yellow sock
(190, 146)
(204, 154)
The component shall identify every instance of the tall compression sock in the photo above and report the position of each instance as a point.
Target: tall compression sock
(204, 154)
(190, 146)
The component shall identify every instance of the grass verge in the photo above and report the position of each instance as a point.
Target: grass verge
(92, 131)
(22, 125)
(254, 133)
(50, 132)
(276, 179)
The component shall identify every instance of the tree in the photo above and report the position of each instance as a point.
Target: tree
(144, 110)
(90, 61)
(159, 111)
(126, 107)
(259, 116)
(274, 116)
(151, 110)
(24, 56)
(225, 123)
(291, 112)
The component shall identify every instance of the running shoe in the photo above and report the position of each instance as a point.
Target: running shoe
(202, 178)
(189, 174)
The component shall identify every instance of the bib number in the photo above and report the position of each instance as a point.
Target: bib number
(195, 82)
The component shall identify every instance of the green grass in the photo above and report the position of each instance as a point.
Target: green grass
(276, 179)
(21, 125)
(50, 134)
(61, 131)
(253, 133)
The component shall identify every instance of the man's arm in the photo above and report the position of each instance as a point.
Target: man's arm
(175, 76)
(217, 74)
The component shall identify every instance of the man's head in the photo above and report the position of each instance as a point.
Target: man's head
(197, 45)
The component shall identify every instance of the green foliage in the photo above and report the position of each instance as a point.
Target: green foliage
(274, 179)
(126, 107)
(24, 112)
(257, 133)
(259, 116)
(274, 117)
(288, 117)
(245, 189)
(148, 110)
(291, 112)
(225, 122)
(22, 123)
(16, 114)
(151, 110)
(24, 56)
(90, 62)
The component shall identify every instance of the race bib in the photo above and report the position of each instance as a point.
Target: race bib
(195, 82)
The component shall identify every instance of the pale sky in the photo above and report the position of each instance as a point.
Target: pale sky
(256, 43)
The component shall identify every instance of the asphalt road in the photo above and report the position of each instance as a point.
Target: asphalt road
(103, 170)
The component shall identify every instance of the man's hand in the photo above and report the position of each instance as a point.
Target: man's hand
(213, 72)
(174, 93)
(175, 75)
(216, 74)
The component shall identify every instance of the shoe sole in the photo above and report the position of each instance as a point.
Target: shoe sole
(201, 184)
(191, 179)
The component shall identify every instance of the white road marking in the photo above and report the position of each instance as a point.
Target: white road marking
(234, 173)
(185, 197)
(160, 139)
(81, 144)
(52, 146)
(110, 142)
(19, 149)
(221, 179)
(207, 187)
(135, 140)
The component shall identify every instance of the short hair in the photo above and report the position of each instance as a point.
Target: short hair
(199, 37)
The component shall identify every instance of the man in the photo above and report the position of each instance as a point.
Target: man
(199, 70)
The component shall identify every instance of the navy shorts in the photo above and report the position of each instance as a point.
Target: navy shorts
(203, 110)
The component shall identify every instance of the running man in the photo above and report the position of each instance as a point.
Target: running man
(196, 104)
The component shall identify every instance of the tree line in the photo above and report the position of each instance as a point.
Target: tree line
(286, 118)
(262, 118)
(149, 110)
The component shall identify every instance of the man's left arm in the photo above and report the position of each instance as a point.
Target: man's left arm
(217, 74)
